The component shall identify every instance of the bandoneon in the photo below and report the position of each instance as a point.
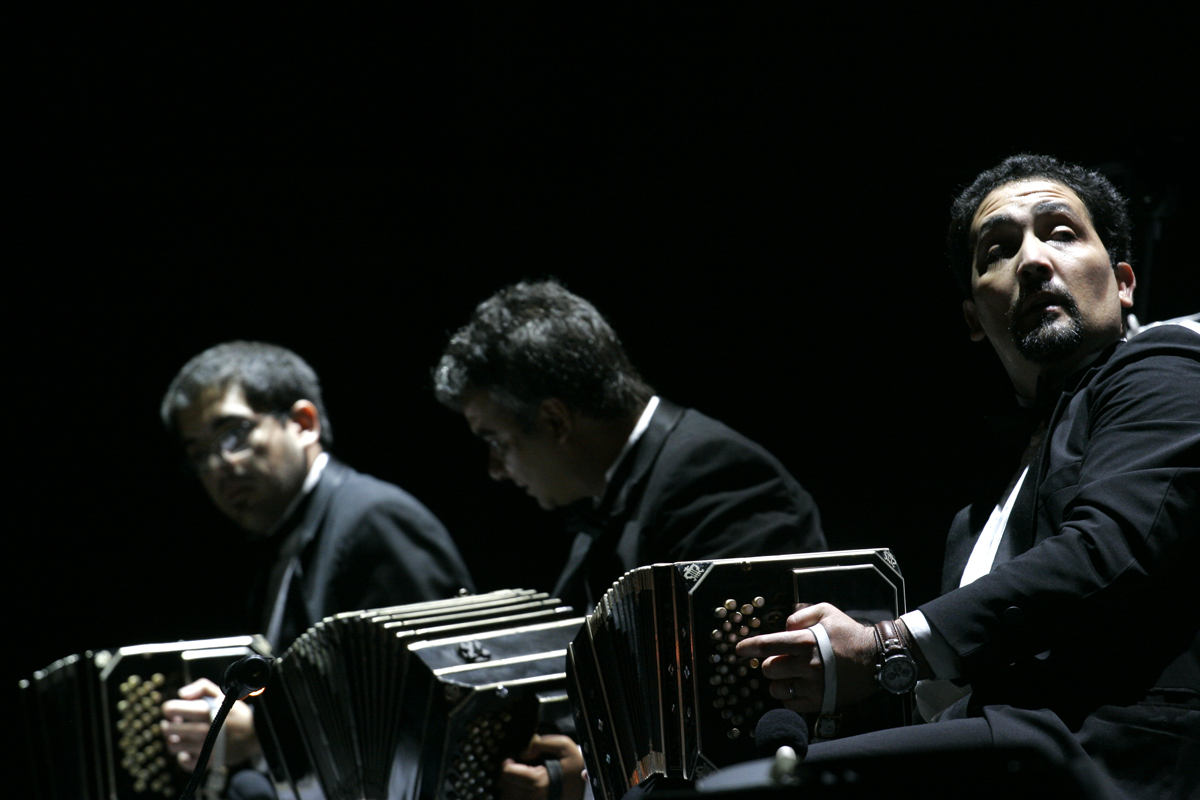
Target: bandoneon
(655, 683)
(94, 719)
(427, 700)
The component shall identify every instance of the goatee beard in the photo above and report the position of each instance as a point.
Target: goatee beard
(1052, 340)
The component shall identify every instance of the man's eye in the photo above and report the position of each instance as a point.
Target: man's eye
(1063, 235)
(994, 253)
(232, 441)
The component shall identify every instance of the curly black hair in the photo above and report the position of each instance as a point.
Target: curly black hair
(1108, 209)
(535, 340)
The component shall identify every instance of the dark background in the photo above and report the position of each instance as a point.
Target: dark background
(757, 203)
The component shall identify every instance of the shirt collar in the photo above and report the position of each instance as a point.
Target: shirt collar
(638, 429)
(310, 480)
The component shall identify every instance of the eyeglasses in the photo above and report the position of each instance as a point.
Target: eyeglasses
(227, 444)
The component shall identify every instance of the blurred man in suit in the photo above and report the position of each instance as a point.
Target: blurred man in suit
(542, 378)
(253, 426)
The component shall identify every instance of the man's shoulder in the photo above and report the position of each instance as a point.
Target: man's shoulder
(703, 454)
(698, 432)
(357, 494)
(1164, 360)
(353, 482)
(1161, 341)
(714, 493)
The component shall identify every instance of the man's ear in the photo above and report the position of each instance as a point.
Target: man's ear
(558, 417)
(1126, 281)
(308, 419)
(971, 314)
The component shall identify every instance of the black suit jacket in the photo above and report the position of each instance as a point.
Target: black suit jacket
(1094, 619)
(689, 489)
(361, 543)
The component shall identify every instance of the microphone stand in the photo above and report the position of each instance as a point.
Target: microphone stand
(242, 678)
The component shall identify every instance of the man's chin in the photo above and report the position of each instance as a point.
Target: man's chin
(1051, 342)
(254, 527)
(250, 520)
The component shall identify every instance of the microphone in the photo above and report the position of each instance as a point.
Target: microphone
(248, 784)
(781, 727)
(247, 675)
(781, 738)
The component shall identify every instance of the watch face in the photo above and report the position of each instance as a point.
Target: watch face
(899, 674)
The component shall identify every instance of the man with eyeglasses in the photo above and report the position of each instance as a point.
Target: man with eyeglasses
(253, 426)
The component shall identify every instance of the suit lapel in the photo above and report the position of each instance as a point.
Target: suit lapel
(287, 583)
(999, 445)
(1022, 531)
(960, 541)
(625, 488)
(593, 533)
(572, 584)
(1018, 529)
(1032, 533)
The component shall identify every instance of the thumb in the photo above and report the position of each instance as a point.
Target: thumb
(553, 745)
(808, 616)
(199, 688)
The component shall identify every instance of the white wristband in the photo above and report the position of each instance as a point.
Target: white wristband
(825, 649)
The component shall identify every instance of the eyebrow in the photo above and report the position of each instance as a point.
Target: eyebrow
(1053, 207)
(216, 424)
(1041, 209)
(992, 223)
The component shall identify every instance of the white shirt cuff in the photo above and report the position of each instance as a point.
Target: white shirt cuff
(937, 651)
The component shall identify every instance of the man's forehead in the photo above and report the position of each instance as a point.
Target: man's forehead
(212, 406)
(478, 409)
(1025, 195)
(484, 414)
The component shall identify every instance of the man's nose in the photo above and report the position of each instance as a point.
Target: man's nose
(496, 466)
(217, 462)
(1035, 264)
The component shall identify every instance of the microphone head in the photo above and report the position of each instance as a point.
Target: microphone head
(779, 727)
(247, 675)
(248, 784)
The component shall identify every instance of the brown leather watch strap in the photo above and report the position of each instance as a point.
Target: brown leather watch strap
(890, 636)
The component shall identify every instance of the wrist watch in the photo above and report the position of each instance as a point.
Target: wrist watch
(895, 668)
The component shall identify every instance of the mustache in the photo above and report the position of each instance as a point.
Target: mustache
(1044, 293)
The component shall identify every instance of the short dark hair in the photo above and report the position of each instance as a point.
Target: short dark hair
(272, 378)
(1108, 209)
(532, 341)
